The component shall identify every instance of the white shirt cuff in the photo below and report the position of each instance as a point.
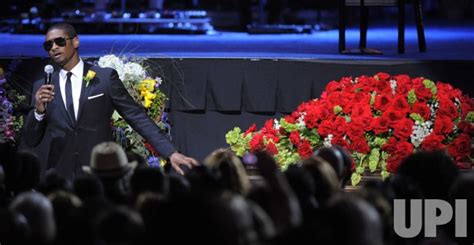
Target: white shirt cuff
(39, 117)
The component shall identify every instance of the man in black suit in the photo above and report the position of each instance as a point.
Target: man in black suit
(78, 113)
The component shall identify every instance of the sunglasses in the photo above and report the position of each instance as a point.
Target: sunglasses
(60, 41)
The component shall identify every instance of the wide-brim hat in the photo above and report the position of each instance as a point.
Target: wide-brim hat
(108, 160)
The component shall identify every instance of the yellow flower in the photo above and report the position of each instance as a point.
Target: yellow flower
(147, 98)
(89, 76)
(147, 84)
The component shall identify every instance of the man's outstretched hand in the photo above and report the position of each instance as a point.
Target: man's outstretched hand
(177, 159)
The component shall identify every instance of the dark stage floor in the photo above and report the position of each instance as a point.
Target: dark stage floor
(445, 41)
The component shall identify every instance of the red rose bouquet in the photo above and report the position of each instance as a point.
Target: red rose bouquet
(380, 119)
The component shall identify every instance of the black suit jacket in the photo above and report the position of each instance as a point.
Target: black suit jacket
(71, 144)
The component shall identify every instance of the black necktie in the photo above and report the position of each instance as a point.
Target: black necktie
(69, 101)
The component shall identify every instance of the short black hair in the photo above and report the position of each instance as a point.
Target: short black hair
(68, 28)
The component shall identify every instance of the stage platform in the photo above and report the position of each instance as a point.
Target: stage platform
(453, 41)
(216, 82)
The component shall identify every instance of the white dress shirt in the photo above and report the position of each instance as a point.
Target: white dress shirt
(76, 85)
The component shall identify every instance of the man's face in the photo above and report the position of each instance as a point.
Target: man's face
(61, 54)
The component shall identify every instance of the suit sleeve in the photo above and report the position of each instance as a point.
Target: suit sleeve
(136, 116)
(33, 129)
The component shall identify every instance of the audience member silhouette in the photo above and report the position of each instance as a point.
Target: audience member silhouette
(434, 172)
(38, 211)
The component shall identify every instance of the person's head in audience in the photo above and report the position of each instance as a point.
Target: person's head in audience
(230, 170)
(110, 164)
(52, 182)
(24, 173)
(351, 220)
(179, 187)
(66, 206)
(14, 228)
(339, 159)
(38, 211)
(88, 187)
(434, 172)
(204, 182)
(120, 225)
(303, 185)
(373, 192)
(325, 179)
(148, 179)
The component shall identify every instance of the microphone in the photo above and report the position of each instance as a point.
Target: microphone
(48, 70)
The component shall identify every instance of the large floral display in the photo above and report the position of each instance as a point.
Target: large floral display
(10, 120)
(380, 119)
(145, 90)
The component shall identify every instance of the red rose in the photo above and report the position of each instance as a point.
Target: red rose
(311, 119)
(325, 128)
(256, 143)
(339, 140)
(402, 150)
(383, 87)
(393, 116)
(443, 125)
(333, 86)
(466, 128)
(383, 76)
(422, 93)
(382, 102)
(390, 145)
(467, 105)
(423, 110)
(252, 129)
(403, 129)
(340, 126)
(380, 125)
(447, 89)
(461, 147)
(360, 145)
(447, 108)
(433, 142)
(295, 138)
(393, 163)
(400, 103)
(271, 149)
(290, 119)
(403, 82)
(304, 149)
(355, 131)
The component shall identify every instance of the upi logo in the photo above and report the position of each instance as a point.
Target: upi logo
(436, 212)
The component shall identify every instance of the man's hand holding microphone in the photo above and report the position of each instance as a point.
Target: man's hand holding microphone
(45, 93)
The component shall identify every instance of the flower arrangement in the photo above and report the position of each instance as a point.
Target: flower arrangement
(144, 90)
(380, 119)
(10, 121)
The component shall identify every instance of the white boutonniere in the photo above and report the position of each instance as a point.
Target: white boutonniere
(89, 76)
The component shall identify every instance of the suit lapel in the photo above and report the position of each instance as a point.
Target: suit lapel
(85, 90)
(60, 100)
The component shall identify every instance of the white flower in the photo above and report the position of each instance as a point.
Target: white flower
(300, 120)
(393, 85)
(111, 61)
(276, 124)
(327, 140)
(133, 72)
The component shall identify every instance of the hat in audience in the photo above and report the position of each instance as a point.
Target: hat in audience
(108, 160)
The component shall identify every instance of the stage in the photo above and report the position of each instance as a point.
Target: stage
(227, 79)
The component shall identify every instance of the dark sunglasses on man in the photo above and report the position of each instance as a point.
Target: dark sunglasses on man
(60, 41)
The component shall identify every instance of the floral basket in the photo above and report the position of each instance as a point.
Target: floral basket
(145, 90)
(380, 119)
